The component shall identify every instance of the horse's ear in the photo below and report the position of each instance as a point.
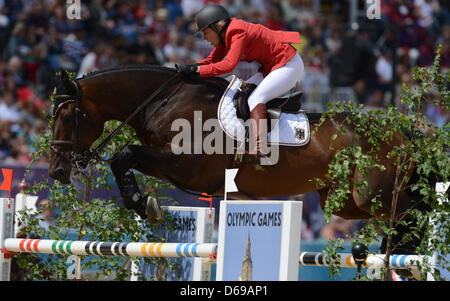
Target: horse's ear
(57, 80)
(64, 75)
(62, 82)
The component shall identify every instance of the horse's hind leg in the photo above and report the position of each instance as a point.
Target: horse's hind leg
(121, 165)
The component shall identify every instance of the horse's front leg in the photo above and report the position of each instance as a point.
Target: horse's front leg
(122, 163)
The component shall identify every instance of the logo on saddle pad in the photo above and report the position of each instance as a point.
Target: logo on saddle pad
(299, 133)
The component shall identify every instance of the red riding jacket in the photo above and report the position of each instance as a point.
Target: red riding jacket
(250, 42)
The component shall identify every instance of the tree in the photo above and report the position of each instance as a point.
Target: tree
(426, 148)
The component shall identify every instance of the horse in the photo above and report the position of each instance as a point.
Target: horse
(82, 106)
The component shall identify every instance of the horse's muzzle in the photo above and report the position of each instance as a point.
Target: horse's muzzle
(60, 174)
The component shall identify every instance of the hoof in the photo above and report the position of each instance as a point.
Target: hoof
(154, 212)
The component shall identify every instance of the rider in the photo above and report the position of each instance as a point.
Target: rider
(235, 40)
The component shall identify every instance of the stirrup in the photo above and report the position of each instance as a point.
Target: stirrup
(256, 160)
(153, 210)
(258, 155)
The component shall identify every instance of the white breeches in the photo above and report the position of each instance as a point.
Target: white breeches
(277, 82)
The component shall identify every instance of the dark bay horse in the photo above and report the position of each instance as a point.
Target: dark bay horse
(83, 106)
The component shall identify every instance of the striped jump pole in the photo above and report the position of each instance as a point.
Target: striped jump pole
(141, 249)
(203, 252)
(372, 261)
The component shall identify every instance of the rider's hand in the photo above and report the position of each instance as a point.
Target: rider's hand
(188, 70)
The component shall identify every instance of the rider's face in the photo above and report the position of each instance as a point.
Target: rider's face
(210, 36)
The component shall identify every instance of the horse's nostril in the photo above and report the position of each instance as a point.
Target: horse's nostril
(58, 173)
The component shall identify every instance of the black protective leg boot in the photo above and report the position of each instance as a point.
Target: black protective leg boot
(132, 197)
(148, 208)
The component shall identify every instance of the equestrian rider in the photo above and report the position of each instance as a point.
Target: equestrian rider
(236, 40)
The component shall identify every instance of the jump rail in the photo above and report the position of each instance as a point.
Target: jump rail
(147, 249)
(373, 260)
(204, 250)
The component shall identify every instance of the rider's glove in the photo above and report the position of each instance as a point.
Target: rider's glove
(188, 70)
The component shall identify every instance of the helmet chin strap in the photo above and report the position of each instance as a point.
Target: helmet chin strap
(219, 32)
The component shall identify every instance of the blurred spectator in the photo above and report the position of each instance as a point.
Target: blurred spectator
(172, 47)
(91, 61)
(17, 43)
(175, 10)
(191, 7)
(187, 51)
(353, 61)
(233, 7)
(383, 69)
(73, 48)
(337, 228)
(291, 10)
(274, 18)
(160, 25)
(375, 101)
(312, 215)
(20, 151)
(46, 218)
(306, 17)
(306, 231)
(127, 23)
(5, 139)
(424, 11)
(15, 70)
(333, 42)
(8, 109)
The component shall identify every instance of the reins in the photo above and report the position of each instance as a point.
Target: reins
(99, 148)
(81, 159)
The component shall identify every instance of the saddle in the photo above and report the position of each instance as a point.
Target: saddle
(286, 104)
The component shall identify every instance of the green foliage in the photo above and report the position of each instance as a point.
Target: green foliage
(333, 247)
(87, 218)
(424, 147)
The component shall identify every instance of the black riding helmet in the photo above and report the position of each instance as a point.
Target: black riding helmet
(209, 15)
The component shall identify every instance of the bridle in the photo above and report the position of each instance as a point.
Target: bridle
(79, 157)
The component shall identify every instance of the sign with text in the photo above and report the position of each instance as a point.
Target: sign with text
(259, 240)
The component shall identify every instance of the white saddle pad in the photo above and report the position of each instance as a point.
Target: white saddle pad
(291, 130)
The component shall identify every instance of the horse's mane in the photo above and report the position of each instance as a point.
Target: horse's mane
(146, 67)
